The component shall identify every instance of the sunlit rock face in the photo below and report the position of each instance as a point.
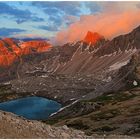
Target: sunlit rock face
(93, 37)
(34, 46)
(11, 49)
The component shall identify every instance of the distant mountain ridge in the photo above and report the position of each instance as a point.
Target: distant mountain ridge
(123, 43)
(10, 49)
(91, 55)
(87, 58)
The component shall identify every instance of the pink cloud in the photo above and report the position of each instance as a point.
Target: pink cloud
(109, 23)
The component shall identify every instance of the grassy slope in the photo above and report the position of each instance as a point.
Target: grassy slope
(119, 114)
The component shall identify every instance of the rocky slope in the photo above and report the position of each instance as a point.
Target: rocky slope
(113, 112)
(87, 58)
(92, 78)
(16, 127)
(122, 43)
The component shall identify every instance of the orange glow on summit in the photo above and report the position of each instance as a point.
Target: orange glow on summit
(92, 37)
(10, 50)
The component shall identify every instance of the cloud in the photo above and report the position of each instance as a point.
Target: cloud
(35, 19)
(4, 32)
(119, 6)
(18, 15)
(48, 28)
(138, 5)
(93, 7)
(61, 14)
(70, 19)
(112, 21)
(23, 36)
(56, 19)
(70, 8)
(57, 11)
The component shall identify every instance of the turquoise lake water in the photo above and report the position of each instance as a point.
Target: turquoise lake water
(34, 108)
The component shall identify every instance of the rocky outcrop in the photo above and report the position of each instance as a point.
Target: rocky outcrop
(93, 38)
(122, 43)
(132, 69)
(11, 49)
(15, 127)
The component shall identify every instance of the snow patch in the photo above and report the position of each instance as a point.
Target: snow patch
(6, 83)
(75, 52)
(107, 79)
(72, 99)
(55, 97)
(64, 108)
(95, 50)
(132, 50)
(56, 68)
(44, 76)
(107, 55)
(88, 46)
(135, 83)
(118, 65)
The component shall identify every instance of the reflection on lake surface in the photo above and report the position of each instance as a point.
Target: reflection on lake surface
(34, 108)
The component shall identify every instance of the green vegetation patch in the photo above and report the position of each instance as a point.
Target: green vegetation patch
(78, 124)
(113, 97)
(105, 115)
(105, 128)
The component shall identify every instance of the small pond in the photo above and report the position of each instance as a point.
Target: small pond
(34, 108)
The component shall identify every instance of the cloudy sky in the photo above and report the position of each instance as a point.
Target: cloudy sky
(60, 20)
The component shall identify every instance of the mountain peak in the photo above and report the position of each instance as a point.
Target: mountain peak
(92, 37)
(9, 41)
